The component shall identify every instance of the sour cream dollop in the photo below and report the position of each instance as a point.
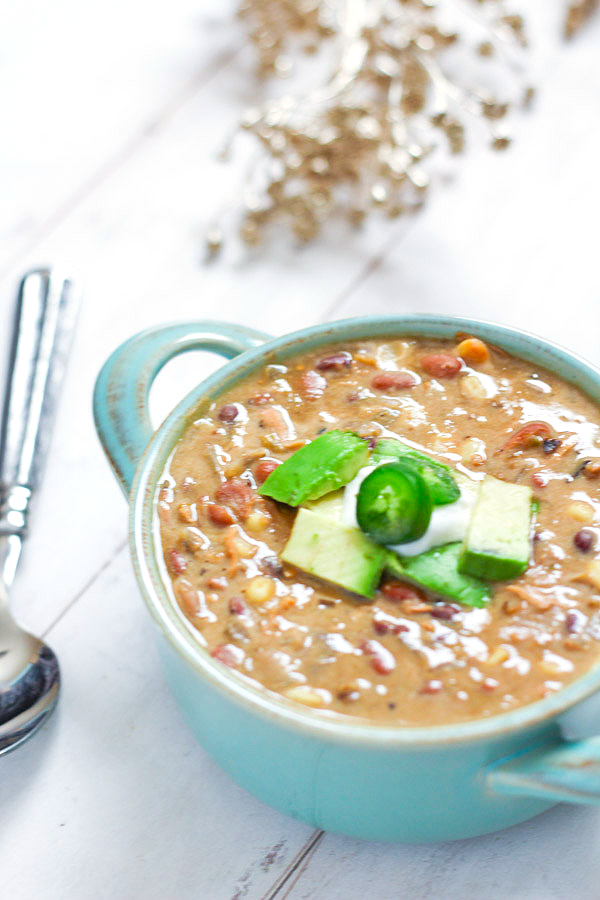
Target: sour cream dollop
(448, 523)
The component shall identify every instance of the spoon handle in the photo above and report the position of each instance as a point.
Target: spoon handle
(45, 317)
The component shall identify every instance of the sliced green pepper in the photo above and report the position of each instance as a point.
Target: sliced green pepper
(442, 486)
(394, 505)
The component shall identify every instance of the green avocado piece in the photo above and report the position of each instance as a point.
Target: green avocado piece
(438, 477)
(327, 463)
(334, 552)
(437, 571)
(329, 505)
(497, 544)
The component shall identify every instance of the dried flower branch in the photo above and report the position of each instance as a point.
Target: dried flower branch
(578, 12)
(407, 78)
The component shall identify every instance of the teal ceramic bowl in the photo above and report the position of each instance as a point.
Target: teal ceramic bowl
(369, 781)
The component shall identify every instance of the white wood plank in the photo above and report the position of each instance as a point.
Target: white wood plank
(78, 85)
(115, 799)
(552, 857)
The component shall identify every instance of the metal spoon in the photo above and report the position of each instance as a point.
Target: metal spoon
(45, 317)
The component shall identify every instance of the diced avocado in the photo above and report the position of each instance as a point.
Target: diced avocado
(330, 505)
(497, 544)
(334, 552)
(437, 571)
(327, 463)
(438, 477)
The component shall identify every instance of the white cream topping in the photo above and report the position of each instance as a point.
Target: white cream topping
(448, 523)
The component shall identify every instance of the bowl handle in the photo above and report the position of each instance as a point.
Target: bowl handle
(122, 387)
(565, 771)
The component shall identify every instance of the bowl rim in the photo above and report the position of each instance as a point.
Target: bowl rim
(242, 691)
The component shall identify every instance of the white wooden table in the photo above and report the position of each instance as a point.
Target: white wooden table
(111, 116)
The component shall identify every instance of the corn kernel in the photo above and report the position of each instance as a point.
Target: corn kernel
(581, 511)
(591, 575)
(499, 655)
(243, 548)
(260, 589)
(257, 521)
(187, 513)
(309, 696)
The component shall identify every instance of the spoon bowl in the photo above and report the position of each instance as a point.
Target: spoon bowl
(29, 683)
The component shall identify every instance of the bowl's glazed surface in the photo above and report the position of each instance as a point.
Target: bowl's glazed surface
(377, 782)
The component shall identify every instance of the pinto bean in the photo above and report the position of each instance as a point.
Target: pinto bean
(237, 494)
(530, 435)
(397, 591)
(264, 469)
(382, 660)
(176, 562)
(393, 381)
(335, 362)
(312, 385)
(229, 654)
(441, 365)
(220, 515)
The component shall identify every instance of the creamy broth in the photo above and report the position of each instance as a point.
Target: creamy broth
(406, 657)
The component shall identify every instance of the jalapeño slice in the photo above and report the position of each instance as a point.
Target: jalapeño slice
(394, 504)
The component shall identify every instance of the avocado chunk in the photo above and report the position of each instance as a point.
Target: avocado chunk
(329, 505)
(436, 570)
(497, 544)
(437, 476)
(334, 552)
(327, 463)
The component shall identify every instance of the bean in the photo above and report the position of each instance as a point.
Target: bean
(220, 515)
(444, 611)
(237, 607)
(530, 435)
(335, 362)
(217, 584)
(584, 540)
(312, 385)
(237, 494)
(264, 469)
(397, 591)
(393, 381)
(441, 365)
(260, 399)
(574, 621)
(472, 350)
(176, 562)
(229, 654)
(382, 659)
(272, 565)
(228, 413)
